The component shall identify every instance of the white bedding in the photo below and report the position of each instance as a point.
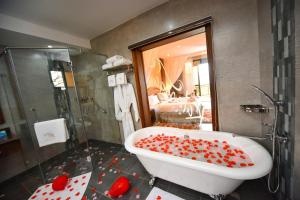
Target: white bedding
(175, 106)
(181, 104)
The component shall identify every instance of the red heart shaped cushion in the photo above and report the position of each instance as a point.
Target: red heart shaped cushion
(119, 187)
(60, 182)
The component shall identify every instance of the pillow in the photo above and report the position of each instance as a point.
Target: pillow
(153, 91)
(153, 100)
(162, 96)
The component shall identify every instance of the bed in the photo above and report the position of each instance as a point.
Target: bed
(181, 112)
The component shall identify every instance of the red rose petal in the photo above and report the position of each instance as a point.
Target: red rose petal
(84, 198)
(196, 148)
(93, 189)
(243, 164)
(136, 190)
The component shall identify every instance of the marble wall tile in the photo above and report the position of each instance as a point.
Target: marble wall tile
(92, 82)
(236, 46)
(284, 89)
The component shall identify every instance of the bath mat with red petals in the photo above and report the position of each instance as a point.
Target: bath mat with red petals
(159, 194)
(73, 191)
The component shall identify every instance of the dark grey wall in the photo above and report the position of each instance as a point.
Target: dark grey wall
(296, 172)
(283, 28)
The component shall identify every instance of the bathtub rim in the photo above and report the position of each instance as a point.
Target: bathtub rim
(247, 173)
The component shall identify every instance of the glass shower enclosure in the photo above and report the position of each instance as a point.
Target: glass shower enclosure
(37, 84)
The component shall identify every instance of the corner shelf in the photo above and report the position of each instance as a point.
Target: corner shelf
(254, 108)
(129, 68)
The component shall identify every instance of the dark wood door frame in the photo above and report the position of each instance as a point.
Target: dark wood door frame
(177, 34)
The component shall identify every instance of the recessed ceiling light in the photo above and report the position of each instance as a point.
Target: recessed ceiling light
(168, 55)
(50, 46)
(178, 46)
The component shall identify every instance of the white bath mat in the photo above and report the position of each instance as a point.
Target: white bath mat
(73, 191)
(159, 194)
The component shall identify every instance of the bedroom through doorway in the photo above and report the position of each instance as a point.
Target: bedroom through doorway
(175, 78)
(178, 85)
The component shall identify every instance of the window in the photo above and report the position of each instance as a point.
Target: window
(57, 79)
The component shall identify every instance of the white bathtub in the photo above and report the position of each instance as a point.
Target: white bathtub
(215, 180)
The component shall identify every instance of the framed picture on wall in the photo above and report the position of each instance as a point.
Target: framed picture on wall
(1, 117)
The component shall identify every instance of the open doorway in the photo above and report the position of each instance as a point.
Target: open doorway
(175, 79)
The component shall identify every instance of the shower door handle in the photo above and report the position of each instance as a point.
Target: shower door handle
(35, 114)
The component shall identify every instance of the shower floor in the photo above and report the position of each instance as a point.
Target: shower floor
(111, 161)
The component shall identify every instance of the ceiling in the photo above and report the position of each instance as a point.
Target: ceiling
(191, 46)
(83, 18)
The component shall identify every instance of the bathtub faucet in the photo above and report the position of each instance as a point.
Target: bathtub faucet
(186, 137)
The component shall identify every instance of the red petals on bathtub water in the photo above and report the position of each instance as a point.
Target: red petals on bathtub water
(216, 151)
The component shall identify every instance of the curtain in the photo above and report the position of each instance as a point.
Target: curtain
(173, 66)
(152, 69)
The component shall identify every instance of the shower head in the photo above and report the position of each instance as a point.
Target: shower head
(2, 53)
(268, 97)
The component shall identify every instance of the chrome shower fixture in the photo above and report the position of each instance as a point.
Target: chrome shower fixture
(276, 139)
(268, 97)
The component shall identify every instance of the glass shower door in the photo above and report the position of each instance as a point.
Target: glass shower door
(16, 147)
(48, 91)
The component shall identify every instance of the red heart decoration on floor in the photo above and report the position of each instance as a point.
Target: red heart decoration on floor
(119, 187)
(60, 182)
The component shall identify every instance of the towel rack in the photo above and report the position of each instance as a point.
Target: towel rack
(118, 69)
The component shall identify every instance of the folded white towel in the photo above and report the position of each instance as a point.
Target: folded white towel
(51, 132)
(113, 58)
(155, 192)
(122, 61)
(121, 79)
(107, 66)
(111, 81)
